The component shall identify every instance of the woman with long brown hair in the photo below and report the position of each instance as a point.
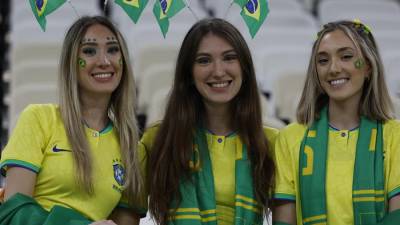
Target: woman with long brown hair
(209, 161)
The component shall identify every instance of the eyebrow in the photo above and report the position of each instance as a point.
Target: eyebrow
(223, 53)
(339, 50)
(344, 49)
(91, 43)
(94, 43)
(112, 42)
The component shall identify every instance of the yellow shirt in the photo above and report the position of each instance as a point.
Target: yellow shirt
(39, 143)
(340, 168)
(222, 153)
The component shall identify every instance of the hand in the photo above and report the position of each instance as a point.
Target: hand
(103, 222)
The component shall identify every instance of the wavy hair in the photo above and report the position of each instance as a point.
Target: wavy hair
(121, 108)
(173, 145)
(375, 101)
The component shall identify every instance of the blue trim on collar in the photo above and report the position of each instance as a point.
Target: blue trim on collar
(107, 128)
(336, 129)
(233, 133)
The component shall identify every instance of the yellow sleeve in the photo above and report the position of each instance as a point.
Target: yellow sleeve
(144, 147)
(28, 141)
(271, 134)
(140, 205)
(285, 188)
(287, 146)
(392, 154)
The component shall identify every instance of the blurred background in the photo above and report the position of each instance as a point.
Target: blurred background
(29, 57)
(281, 48)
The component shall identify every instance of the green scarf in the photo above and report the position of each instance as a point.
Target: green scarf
(24, 210)
(198, 206)
(368, 178)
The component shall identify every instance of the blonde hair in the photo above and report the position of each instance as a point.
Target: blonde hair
(121, 108)
(375, 102)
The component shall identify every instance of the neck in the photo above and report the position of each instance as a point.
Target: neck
(95, 111)
(344, 116)
(218, 119)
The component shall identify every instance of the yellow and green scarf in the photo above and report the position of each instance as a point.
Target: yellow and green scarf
(198, 206)
(368, 179)
(24, 210)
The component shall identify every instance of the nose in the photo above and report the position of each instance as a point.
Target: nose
(335, 67)
(219, 68)
(104, 60)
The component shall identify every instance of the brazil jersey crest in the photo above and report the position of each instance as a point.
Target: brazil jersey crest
(119, 173)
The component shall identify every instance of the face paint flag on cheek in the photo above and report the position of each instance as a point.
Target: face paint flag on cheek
(165, 9)
(254, 13)
(359, 63)
(82, 63)
(133, 8)
(42, 8)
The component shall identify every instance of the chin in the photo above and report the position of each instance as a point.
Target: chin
(222, 101)
(105, 91)
(340, 98)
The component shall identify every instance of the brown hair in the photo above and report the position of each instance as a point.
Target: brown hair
(173, 145)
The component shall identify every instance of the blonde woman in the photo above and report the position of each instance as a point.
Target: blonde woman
(80, 154)
(339, 164)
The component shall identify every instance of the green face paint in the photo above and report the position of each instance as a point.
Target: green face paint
(81, 62)
(359, 63)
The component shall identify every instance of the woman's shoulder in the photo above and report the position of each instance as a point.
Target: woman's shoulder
(270, 131)
(293, 132)
(393, 124)
(149, 134)
(391, 128)
(294, 128)
(41, 109)
(41, 112)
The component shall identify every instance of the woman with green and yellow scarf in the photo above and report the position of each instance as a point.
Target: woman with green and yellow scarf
(336, 166)
(209, 161)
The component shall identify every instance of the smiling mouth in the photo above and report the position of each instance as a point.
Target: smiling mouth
(220, 84)
(102, 75)
(338, 82)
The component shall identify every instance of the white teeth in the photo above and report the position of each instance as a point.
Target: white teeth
(102, 75)
(220, 84)
(338, 82)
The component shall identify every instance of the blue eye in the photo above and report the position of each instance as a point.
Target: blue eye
(89, 51)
